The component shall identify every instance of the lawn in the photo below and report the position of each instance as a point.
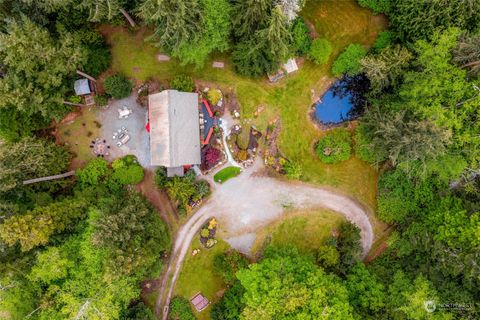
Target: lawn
(197, 275)
(78, 135)
(306, 229)
(226, 174)
(342, 23)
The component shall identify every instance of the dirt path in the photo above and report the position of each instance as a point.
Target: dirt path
(249, 202)
(159, 199)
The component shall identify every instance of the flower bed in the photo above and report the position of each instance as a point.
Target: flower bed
(207, 234)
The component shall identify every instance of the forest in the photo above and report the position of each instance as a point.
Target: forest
(80, 248)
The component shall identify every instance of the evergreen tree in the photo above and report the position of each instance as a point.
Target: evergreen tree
(176, 22)
(37, 67)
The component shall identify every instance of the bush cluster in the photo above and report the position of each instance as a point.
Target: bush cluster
(183, 83)
(335, 146)
(349, 61)
(320, 51)
(117, 86)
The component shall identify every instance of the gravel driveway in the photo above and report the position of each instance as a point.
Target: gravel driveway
(249, 202)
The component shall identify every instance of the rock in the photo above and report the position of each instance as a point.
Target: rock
(163, 57)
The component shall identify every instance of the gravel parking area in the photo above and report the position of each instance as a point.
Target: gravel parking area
(138, 144)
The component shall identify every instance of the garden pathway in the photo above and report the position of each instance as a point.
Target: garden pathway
(249, 202)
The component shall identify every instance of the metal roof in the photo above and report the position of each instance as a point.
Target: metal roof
(174, 128)
(82, 87)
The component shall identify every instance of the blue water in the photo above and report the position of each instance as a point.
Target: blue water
(333, 108)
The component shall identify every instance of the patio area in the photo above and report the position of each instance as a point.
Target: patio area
(123, 128)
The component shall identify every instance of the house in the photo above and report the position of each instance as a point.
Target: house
(174, 130)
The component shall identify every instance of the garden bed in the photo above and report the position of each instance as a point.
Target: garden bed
(226, 174)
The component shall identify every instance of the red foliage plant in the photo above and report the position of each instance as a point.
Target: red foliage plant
(212, 156)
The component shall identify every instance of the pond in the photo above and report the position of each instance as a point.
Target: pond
(342, 102)
(333, 108)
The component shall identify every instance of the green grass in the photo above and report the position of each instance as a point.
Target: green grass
(307, 230)
(79, 134)
(226, 174)
(197, 276)
(340, 22)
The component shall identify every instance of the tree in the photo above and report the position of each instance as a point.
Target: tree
(138, 312)
(403, 140)
(227, 265)
(250, 16)
(230, 307)
(467, 53)
(117, 86)
(386, 68)
(94, 173)
(127, 170)
(320, 51)
(50, 266)
(214, 34)
(35, 227)
(291, 8)
(179, 309)
(27, 159)
(366, 293)
(176, 22)
(132, 233)
(349, 61)
(348, 245)
(287, 285)
(37, 69)
(413, 20)
(301, 40)
(377, 6)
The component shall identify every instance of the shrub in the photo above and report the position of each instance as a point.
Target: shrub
(320, 51)
(335, 146)
(203, 189)
(74, 99)
(101, 100)
(301, 38)
(214, 96)
(349, 61)
(226, 174)
(242, 155)
(212, 156)
(293, 170)
(377, 6)
(94, 173)
(117, 86)
(180, 309)
(161, 177)
(127, 170)
(205, 233)
(182, 83)
(243, 138)
(384, 39)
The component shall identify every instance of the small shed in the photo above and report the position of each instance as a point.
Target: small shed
(291, 65)
(83, 87)
(199, 302)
